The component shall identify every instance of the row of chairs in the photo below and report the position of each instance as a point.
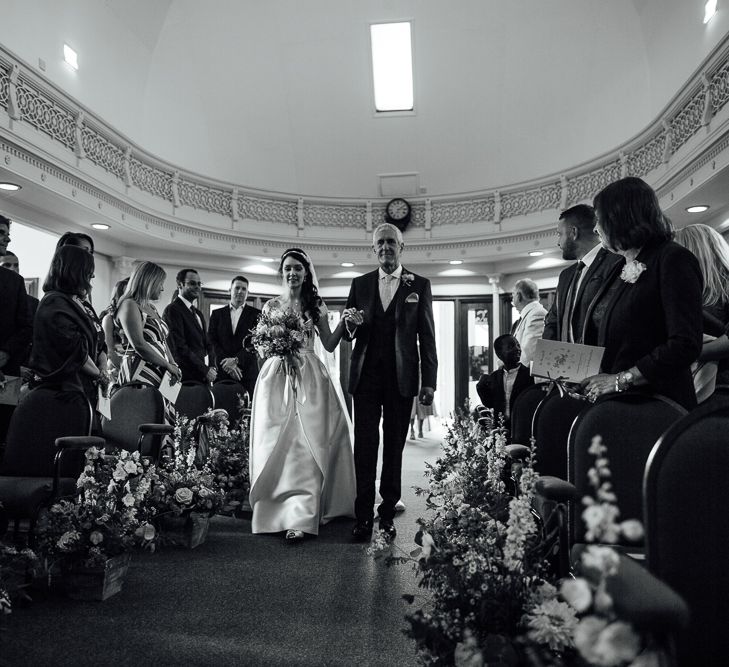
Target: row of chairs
(668, 469)
(50, 430)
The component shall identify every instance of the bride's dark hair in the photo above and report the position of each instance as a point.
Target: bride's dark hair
(310, 299)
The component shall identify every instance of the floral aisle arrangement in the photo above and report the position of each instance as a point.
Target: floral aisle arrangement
(480, 556)
(110, 515)
(490, 597)
(16, 566)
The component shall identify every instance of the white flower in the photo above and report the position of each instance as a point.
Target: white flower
(632, 530)
(602, 559)
(632, 270)
(586, 634)
(146, 532)
(616, 644)
(553, 623)
(119, 472)
(578, 593)
(130, 466)
(407, 279)
(428, 544)
(183, 495)
(128, 500)
(96, 537)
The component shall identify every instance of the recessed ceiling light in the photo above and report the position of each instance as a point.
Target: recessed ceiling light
(70, 56)
(699, 208)
(709, 10)
(546, 263)
(536, 253)
(347, 265)
(10, 187)
(456, 262)
(268, 260)
(100, 225)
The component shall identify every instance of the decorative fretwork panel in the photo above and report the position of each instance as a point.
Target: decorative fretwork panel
(719, 88)
(476, 210)
(530, 201)
(588, 185)
(4, 81)
(205, 198)
(335, 216)
(417, 218)
(688, 121)
(149, 179)
(102, 152)
(647, 157)
(270, 210)
(38, 110)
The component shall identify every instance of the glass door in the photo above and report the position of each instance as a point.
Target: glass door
(474, 333)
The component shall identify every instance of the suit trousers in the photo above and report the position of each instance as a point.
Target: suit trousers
(378, 398)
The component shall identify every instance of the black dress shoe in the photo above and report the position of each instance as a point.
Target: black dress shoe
(362, 531)
(388, 527)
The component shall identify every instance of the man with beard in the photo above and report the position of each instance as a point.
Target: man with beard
(188, 336)
(578, 283)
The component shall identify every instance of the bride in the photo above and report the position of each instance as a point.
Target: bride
(302, 468)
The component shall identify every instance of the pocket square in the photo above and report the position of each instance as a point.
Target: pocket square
(412, 298)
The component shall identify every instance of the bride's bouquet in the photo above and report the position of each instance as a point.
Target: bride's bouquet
(279, 333)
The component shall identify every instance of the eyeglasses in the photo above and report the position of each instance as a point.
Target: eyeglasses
(193, 283)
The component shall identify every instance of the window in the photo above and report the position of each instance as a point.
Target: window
(392, 66)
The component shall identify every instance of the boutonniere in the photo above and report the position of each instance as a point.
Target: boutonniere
(632, 270)
(407, 279)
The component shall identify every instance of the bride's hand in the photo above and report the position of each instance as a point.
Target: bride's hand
(353, 316)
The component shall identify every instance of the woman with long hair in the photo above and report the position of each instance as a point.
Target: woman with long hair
(147, 355)
(68, 345)
(302, 468)
(648, 317)
(712, 251)
(112, 332)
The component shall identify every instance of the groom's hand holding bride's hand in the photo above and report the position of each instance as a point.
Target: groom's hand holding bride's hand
(426, 395)
(353, 316)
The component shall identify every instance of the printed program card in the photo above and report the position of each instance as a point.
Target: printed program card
(103, 405)
(568, 361)
(169, 387)
(10, 390)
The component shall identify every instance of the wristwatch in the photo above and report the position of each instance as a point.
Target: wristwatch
(624, 380)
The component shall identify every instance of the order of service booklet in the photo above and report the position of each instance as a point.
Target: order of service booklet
(566, 361)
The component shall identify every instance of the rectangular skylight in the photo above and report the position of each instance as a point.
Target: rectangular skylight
(392, 66)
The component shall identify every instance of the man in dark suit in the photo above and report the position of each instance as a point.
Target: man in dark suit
(10, 261)
(579, 283)
(500, 389)
(15, 334)
(229, 327)
(393, 313)
(190, 344)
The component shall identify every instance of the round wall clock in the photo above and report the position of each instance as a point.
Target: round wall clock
(397, 212)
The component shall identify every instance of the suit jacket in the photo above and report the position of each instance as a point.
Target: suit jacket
(490, 389)
(16, 325)
(529, 329)
(228, 343)
(656, 323)
(594, 278)
(188, 341)
(414, 324)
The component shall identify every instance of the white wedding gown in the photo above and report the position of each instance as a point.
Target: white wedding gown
(301, 461)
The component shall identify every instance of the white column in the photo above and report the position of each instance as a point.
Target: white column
(122, 268)
(494, 280)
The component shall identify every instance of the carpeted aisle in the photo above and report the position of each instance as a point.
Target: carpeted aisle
(239, 599)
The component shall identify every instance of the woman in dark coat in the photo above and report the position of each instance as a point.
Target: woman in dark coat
(650, 314)
(68, 344)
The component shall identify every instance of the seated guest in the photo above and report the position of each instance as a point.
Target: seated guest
(78, 239)
(650, 311)
(528, 329)
(68, 344)
(229, 327)
(190, 344)
(712, 251)
(500, 389)
(147, 356)
(15, 334)
(112, 331)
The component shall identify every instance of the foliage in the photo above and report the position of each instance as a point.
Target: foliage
(15, 565)
(110, 514)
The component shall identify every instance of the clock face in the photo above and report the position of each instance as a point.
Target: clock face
(398, 209)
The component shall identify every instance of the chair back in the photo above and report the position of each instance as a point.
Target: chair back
(41, 416)
(194, 399)
(629, 424)
(522, 415)
(687, 527)
(132, 405)
(227, 395)
(551, 426)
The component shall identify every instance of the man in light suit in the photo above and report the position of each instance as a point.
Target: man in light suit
(579, 283)
(229, 327)
(190, 344)
(393, 313)
(530, 325)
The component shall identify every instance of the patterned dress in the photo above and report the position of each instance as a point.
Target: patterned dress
(134, 369)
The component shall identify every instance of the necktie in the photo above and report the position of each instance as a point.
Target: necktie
(515, 325)
(570, 304)
(386, 290)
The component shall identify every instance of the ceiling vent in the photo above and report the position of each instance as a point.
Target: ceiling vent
(399, 185)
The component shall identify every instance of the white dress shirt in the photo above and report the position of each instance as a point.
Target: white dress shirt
(388, 284)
